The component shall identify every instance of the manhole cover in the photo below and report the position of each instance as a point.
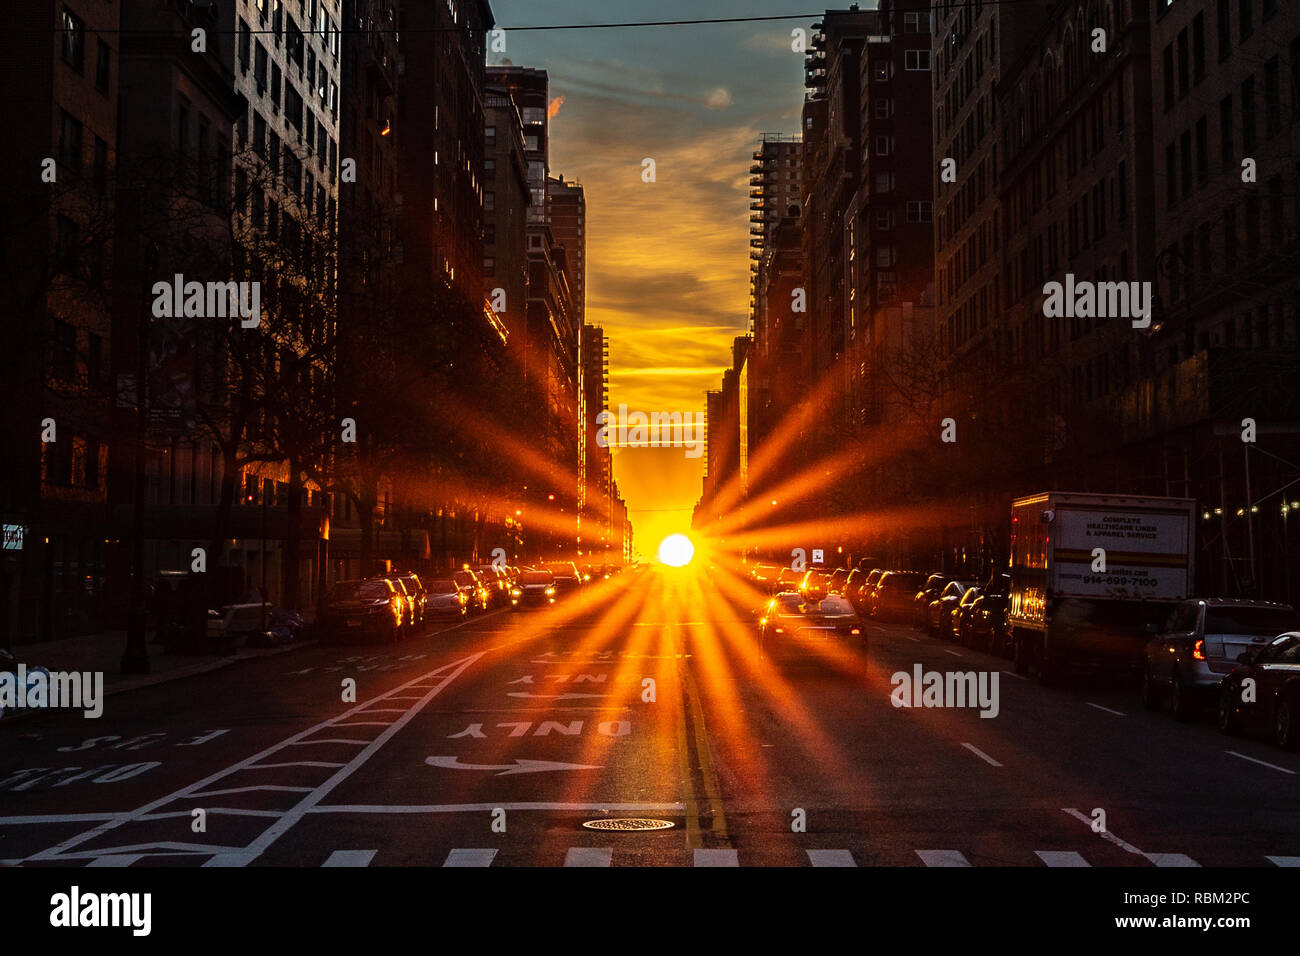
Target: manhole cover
(631, 823)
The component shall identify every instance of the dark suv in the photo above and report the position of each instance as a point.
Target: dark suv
(372, 608)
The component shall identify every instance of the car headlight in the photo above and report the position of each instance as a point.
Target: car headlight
(550, 592)
(516, 593)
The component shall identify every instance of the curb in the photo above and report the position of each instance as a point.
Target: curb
(178, 673)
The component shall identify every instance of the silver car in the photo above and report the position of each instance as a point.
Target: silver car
(1201, 643)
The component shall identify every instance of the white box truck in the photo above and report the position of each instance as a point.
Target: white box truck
(1093, 576)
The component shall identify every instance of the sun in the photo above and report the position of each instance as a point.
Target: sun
(676, 551)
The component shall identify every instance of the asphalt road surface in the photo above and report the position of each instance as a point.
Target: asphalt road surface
(493, 741)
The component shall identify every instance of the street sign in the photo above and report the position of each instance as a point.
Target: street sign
(12, 536)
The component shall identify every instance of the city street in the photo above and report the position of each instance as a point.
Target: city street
(491, 742)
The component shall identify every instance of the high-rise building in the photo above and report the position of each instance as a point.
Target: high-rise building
(441, 146)
(775, 195)
(831, 167)
(548, 354)
(57, 181)
(506, 209)
(890, 294)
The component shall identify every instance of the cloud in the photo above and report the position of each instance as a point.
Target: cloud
(554, 107)
(719, 99)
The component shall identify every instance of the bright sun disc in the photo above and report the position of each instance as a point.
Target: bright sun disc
(676, 551)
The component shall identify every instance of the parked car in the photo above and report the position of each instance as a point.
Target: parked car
(371, 608)
(1200, 644)
(447, 598)
(567, 575)
(497, 583)
(960, 622)
(921, 601)
(419, 596)
(1275, 701)
(480, 597)
(893, 593)
(815, 584)
(861, 599)
(853, 584)
(988, 629)
(941, 608)
(536, 588)
(408, 604)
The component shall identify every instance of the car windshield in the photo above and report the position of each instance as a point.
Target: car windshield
(359, 591)
(788, 602)
(443, 586)
(835, 606)
(465, 577)
(1249, 620)
(536, 577)
(563, 570)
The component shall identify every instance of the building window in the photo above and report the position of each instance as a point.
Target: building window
(259, 134)
(1167, 59)
(1248, 114)
(489, 201)
(69, 142)
(489, 266)
(884, 219)
(883, 145)
(1246, 18)
(63, 361)
(73, 41)
(1272, 99)
(1202, 150)
(884, 109)
(245, 44)
(1198, 48)
(918, 211)
(260, 64)
(1227, 151)
(490, 135)
(1171, 175)
(101, 167)
(1224, 17)
(916, 23)
(1184, 69)
(915, 60)
(102, 66)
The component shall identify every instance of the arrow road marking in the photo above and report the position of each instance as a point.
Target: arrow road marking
(519, 766)
(520, 693)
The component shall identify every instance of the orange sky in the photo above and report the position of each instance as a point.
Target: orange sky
(667, 261)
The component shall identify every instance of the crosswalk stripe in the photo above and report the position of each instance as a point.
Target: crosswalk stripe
(350, 858)
(1284, 860)
(942, 858)
(459, 857)
(1061, 858)
(831, 858)
(1170, 859)
(588, 856)
(717, 858)
(116, 859)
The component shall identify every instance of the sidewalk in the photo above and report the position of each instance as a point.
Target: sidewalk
(103, 652)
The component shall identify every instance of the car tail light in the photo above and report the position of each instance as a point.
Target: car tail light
(856, 630)
(1198, 651)
(780, 630)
